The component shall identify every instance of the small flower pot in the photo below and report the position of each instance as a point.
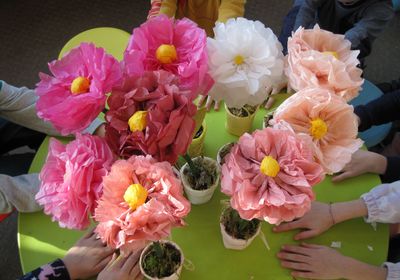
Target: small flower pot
(200, 196)
(235, 243)
(238, 125)
(223, 152)
(196, 147)
(145, 254)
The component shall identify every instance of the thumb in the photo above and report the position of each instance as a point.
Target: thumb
(306, 234)
(341, 177)
(287, 226)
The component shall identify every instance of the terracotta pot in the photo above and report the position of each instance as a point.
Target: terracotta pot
(199, 196)
(238, 125)
(196, 147)
(173, 276)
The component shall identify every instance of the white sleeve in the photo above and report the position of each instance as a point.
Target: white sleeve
(383, 203)
(19, 192)
(393, 271)
(17, 105)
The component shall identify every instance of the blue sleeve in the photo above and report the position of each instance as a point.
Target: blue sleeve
(52, 271)
(307, 14)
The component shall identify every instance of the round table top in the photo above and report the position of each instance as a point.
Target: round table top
(41, 240)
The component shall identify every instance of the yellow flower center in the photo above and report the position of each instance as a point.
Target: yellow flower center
(318, 128)
(334, 54)
(80, 85)
(269, 166)
(239, 59)
(166, 53)
(135, 195)
(138, 121)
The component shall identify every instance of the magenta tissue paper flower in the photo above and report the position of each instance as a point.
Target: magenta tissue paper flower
(76, 93)
(71, 179)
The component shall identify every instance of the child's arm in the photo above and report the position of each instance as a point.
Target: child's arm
(19, 192)
(307, 14)
(373, 21)
(230, 9)
(168, 7)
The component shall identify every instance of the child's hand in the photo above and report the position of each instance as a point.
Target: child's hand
(313, 261)
(272, 90)
(362, 162)
(87, 257)
(315, 222)
(122, 268)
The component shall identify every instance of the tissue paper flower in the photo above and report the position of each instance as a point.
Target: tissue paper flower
(142, 200)
(150, 115)
(176, 46)
(245, 57)
(329, 123)
(319, 58)
(70, 181)
(269, 175)
(76, 94)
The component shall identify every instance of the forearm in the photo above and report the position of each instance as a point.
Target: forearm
(357, 270)
(231, 9)
(343, 211)
(306, 15)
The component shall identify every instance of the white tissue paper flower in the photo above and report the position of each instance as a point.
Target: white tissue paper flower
(245, 58)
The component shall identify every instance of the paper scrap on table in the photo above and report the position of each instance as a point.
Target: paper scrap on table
(336, 244)
(370, 248)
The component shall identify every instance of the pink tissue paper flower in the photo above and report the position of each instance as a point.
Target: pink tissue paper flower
(284, 194)
(125, 228)
(327, 121)
(76, 93)
(70, 181)
(176, 46)
(166, 130)
(319, 58)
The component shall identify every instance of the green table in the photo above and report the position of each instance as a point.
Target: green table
(41, 240)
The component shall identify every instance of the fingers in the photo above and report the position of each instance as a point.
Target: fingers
(135, 272)
(209, 103)
(89, 233)
(306, 251)
(303, 274)
(131, 261)
(201, 100)
(287, 226)
(312, 246)
(270, 102)
(296, 265)
(293, 257)
(216, 105)
(113, 259)
(306, 234)
(342, 176)
(104, 262)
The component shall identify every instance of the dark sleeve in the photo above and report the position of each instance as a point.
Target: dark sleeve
(379, 111)
(307, 14)
(392, 170)
(52, 271)
(373, 21)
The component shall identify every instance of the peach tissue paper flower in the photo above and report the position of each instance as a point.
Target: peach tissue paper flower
(320, 58)
(176, 46)
(327, 121)
(142, 201)
(71, 179)
(245, 58)
(76, 93)
(269, 175)
(150, 115)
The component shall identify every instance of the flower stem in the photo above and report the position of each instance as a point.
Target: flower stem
(193, 168)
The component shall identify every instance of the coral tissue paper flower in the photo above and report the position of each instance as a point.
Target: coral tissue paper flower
(76, 93)
(245, 58)
(71, 179)
(176, 46)
(142, 200)
(327, 121)
(269, 175)
(150, 115)
(319, 58)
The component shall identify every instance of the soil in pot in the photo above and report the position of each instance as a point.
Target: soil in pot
(161, 260)
(244, 111)
(238, 227)
(206, 177)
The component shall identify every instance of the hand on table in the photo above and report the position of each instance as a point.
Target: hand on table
(362, 162)
(209, 102)
(87, 257)
(315, 222)
(122, 268)
(313, 261)
(272, 90)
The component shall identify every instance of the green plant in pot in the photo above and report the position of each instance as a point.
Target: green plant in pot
(237, 233)
(240, 120)
(161, 260)
(200, 178)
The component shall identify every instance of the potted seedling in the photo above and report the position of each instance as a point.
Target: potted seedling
(237, 233)
(161, 260)
(240, 120)
(200, 178)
